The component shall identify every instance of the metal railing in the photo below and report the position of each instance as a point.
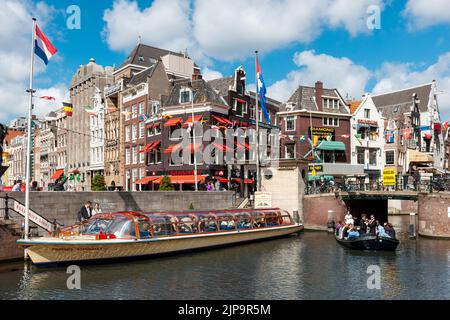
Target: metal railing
(432, 185)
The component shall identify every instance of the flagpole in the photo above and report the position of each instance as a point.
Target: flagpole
(258, 180)
(28, 160)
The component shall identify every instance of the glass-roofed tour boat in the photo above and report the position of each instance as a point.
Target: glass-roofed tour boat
(121, 235)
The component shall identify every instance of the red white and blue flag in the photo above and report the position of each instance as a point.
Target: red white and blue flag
(43, 48)
(262, 91)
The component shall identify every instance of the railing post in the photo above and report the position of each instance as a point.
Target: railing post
(431, 184)
(6, 207)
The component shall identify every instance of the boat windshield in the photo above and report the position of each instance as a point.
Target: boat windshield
(122, 227)
(96, 226)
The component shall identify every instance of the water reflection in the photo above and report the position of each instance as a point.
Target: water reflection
(308, 266)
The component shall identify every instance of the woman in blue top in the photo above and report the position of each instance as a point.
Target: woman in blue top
(380, 231)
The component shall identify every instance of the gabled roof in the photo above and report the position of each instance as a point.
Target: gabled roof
(222, 85)
(354, 105)
(304, 98)
(202, 90)
(145, 56)
(141, 77)
(273, 102)
(390, 104)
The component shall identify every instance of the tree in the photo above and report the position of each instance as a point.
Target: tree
(98, 184)
(191, 206)
(166, 185)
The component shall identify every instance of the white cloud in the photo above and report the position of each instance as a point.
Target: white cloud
(15, 57)
(233, 29)
(209, 74)
(393, 76)
(341, 73)
(422, 14)
(164, 24)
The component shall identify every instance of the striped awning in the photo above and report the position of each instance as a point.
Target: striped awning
(222, 120)
(189, 121)
(182, 179)
(146, 180)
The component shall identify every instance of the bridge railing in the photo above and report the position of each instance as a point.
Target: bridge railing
(430, 186)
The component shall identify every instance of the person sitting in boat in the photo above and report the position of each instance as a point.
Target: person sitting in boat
(338, 227)
(85, 212)
(389, 228)
(380, 230)
(343, 232)
(349, 218)
(362, 224)
(352, 233)
(372, 225)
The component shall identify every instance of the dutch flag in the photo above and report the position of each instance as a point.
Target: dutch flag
(262, 91)
(43, 48)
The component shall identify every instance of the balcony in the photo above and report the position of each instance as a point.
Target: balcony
(113, 89)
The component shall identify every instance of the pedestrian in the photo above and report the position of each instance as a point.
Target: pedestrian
(96, 209)
(217, 185)
(17, 186)
(85, 212)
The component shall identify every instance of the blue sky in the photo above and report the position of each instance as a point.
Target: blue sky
(300, 42)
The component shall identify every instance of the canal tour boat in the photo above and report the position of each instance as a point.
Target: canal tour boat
(132, 235)
(369, 242)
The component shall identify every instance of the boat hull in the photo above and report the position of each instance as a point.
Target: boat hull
(370, 243)
(58, 252)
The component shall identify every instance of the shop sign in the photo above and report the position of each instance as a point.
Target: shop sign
(389, 177)
(323, 131)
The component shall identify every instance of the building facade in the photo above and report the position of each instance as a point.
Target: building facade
(97, 127)
(367, 139)
(87, 79)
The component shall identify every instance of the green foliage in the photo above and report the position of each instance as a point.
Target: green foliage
(191, 206)
(98, 184)
(166, 185)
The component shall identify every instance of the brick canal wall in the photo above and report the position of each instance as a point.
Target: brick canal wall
(64, 206)
(316, 210)
(434, 217)
(8, 247)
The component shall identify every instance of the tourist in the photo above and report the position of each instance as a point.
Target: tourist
(217, 185)
(352, 233)
(34, 186)
(17, 186)
(349, 218)
(338, 227)
(96, 209)
(85, 212)
(372, 225)
(389, 230)
(362, 224)
(209, 186)
(380, 230)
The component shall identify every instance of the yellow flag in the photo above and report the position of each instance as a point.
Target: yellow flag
(315, 140)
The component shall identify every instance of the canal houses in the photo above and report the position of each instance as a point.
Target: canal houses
(316, 126)
(367, 138)
(413, 130)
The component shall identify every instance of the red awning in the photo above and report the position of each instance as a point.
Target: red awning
(246, 180)
(173, 122)
(151, 146)
(182, 179)
(223, 180)
(221, 146)
(146, 180)
(189, 120)
(242, 146)
(176, 147)
(57, 174)
(223, 120)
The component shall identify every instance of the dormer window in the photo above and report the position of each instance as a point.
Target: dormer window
(290, 106)
(185, 95)
(331, 103)
(141, 59)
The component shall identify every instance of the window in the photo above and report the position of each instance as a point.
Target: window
(141, 108)
(367, 113)
(134, 111)
(373, 157)
(155, 107)
(141, 154)
(331, 122)
(290, 123)
(330, 103)
(252, 112)
(127, 133)
(134, 177)
(141, 129)
(240, 107)
(135, 155)
(290, 151)
(185, 95)
(360, 155)
(127, 156)
(149, 131)
(390, 157)
(134, 132)
(157, 128)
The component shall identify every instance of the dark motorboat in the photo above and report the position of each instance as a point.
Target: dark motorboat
(368, 242)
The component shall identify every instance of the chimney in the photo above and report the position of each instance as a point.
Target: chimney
(197, 77)
(319, 93)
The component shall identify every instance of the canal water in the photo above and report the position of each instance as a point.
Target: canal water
(310, 265)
